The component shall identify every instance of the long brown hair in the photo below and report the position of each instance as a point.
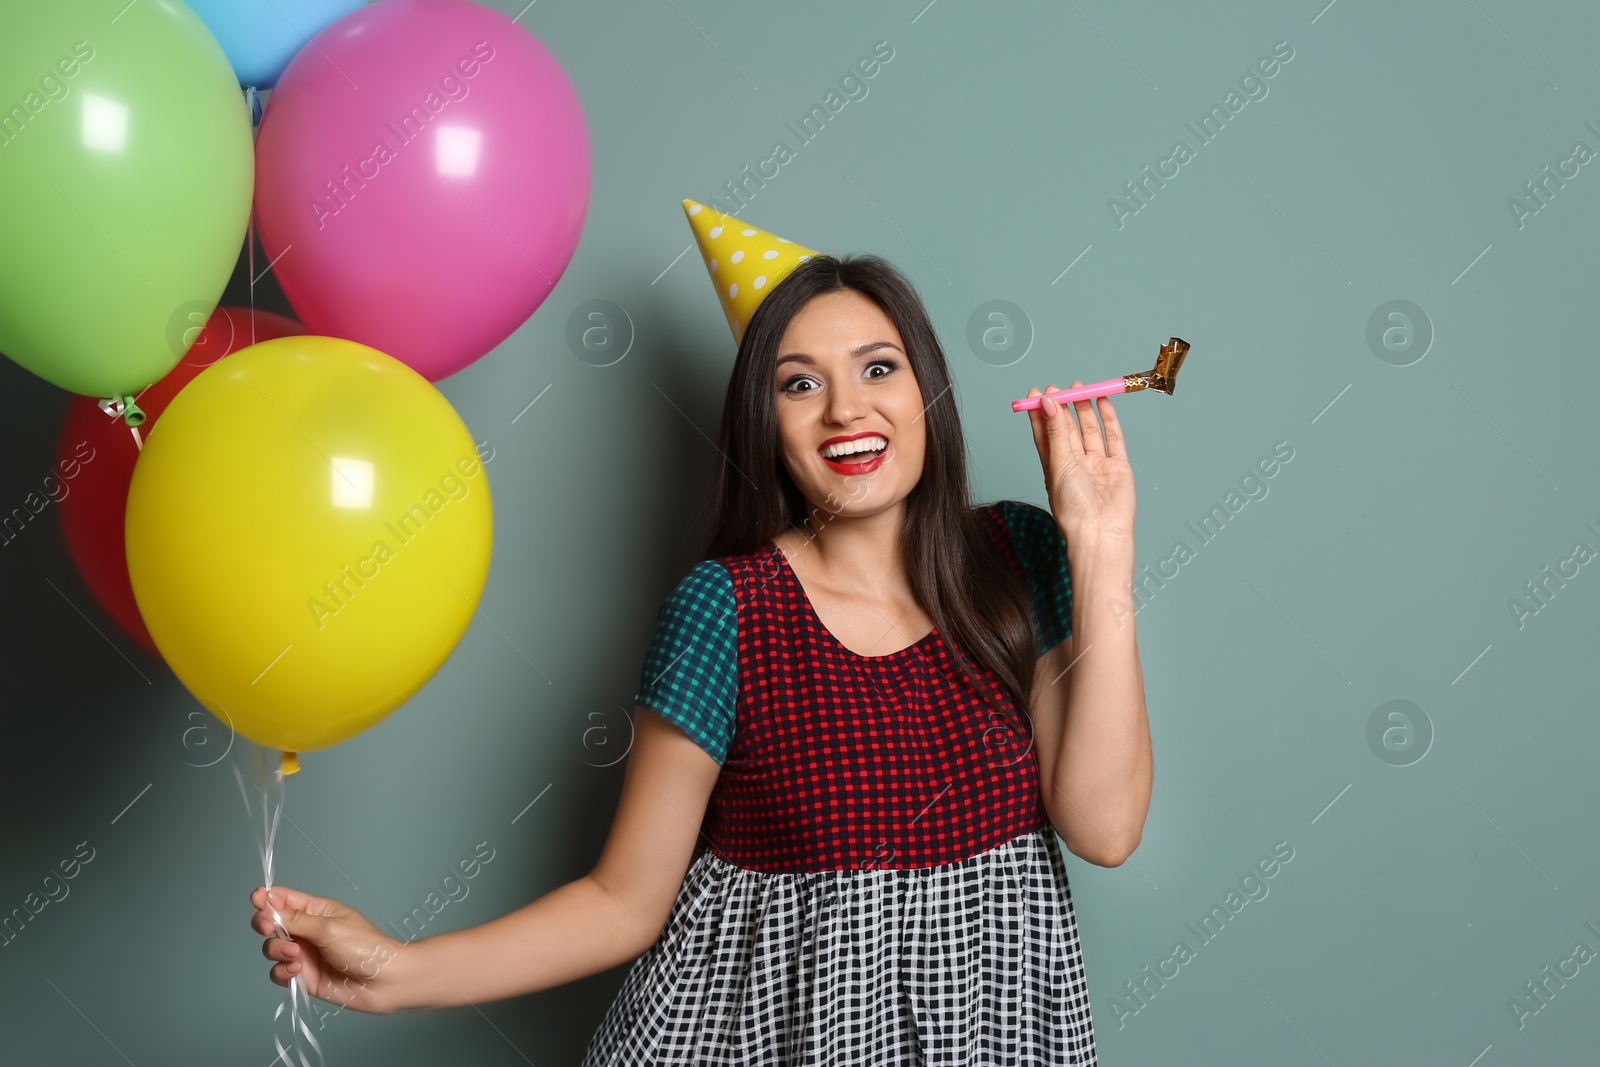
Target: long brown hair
(956, 571)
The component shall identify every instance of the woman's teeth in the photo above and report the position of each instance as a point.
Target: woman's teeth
(870, 445)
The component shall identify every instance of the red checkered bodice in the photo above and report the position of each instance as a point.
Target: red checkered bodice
(844, 761)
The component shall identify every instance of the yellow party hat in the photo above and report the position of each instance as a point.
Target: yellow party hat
(745, 262)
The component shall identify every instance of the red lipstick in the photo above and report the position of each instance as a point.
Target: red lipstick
(849, 464)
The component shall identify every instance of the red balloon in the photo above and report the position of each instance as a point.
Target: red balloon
(98, 451)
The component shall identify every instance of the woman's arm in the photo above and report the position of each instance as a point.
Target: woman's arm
(586, 926)
(1090, 725)
(1095, 765)
(605, 918)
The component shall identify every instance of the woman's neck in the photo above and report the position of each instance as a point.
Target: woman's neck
(861, 552)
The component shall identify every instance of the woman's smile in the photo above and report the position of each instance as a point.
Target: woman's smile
(859, 453)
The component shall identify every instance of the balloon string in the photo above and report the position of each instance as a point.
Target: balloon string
(269, 784)
(297, 1026)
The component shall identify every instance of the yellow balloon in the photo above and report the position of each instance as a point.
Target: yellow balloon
(308, 531)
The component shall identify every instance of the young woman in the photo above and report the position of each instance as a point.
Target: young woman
(862, 722)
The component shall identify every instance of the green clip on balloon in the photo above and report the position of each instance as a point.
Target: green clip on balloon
(126, 174)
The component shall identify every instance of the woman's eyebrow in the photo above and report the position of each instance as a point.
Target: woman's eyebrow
(857, 351)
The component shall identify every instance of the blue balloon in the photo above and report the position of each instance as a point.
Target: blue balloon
(261, 36)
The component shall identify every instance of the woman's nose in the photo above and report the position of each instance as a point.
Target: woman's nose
(844, 403)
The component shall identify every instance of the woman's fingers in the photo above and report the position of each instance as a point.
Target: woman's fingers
(1065, 429)
(298, 913)
(1036, 424)
(1089, 419)
(263, 922)
(276, 948)
(1115, 444)
(281, 897)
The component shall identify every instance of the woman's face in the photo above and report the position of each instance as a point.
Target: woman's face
(842, 372)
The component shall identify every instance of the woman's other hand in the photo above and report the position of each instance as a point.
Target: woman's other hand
(338, 955)
(1089, 482)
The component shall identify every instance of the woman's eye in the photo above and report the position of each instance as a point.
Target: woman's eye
(888, 366)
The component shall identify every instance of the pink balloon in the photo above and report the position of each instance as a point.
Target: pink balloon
(422, 177)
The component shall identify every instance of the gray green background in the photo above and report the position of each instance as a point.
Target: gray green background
(1435, 870)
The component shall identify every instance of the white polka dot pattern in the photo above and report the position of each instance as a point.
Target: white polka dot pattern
(741, 280)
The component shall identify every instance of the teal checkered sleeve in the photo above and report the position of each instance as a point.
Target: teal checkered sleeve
(1043, 552)
(690, 673)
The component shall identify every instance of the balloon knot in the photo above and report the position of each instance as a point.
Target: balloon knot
(124, 408)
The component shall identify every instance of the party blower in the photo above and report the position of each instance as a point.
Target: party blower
(1164, 377)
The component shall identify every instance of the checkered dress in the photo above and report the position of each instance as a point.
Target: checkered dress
(877, 880)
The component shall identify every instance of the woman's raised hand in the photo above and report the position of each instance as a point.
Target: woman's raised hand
(1090, 483)
(338, 955)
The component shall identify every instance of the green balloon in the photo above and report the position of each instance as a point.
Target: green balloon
(127, 167)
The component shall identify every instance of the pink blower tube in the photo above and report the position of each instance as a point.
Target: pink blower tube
(1164, 377)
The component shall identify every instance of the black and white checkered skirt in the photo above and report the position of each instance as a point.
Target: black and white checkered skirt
(973, 962)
